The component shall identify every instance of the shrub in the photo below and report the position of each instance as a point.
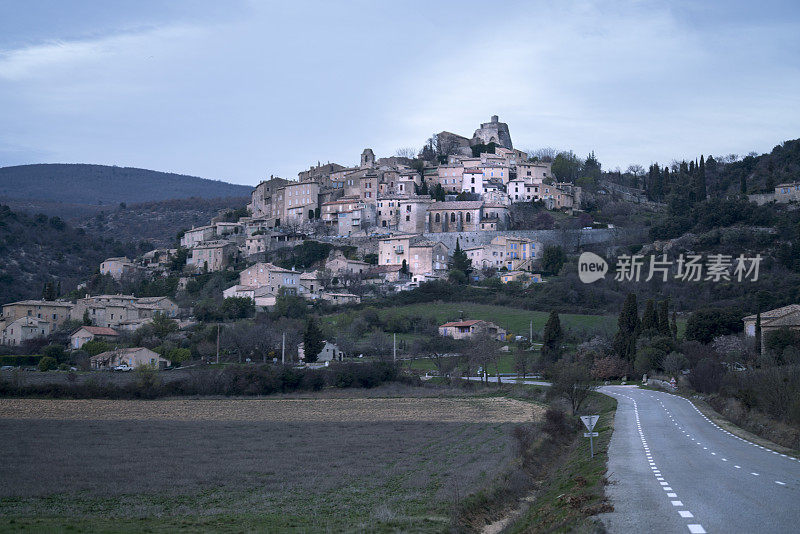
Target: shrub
(47, 363)
(54, 351)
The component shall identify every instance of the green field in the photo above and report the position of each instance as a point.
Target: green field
(515, 320)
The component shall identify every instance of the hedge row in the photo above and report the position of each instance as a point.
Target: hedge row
(228, 381)
(18, 361)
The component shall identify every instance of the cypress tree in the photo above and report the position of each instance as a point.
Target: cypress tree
(663, 318)
(312, 341)
(460, 260)
(674, 325)
(701, 181)
(628, 328)
(649, 317)
(743, 184)
(552, 338)
(758, 333)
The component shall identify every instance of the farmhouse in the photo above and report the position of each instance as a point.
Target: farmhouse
(131, 357)
(471, 328)
(84, 334)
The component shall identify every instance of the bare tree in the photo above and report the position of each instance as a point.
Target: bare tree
(546, 154)
(406, 152)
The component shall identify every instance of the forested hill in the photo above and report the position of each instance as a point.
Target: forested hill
(40, 249)
(103, 184)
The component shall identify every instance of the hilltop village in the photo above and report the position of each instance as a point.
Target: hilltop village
(389, 223)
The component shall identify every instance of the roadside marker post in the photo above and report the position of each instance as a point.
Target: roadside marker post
(589, 421)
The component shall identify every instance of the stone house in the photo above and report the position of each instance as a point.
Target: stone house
(784, 317)
(329, 212)
(301, 199)
(84, 334)
(196, 236)
(23, 329)
(117, 267)
(271, 276)
(264, 201)
(452, 177)
(329, 353)
(340, 298)
(471, 328)
(134, 357)
(523, 277)
(212, 256)
(124, 312)
(412, 214)
(54, 312)
(421, 257)
(311, 284)
(337, 263)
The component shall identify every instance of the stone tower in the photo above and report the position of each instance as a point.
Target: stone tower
(493, 132)
(367, 158)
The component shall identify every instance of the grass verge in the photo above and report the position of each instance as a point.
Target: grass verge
(572, 490)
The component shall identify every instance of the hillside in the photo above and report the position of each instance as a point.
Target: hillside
(106, 185)
(156, 222)
(757, 173)
(39, 249)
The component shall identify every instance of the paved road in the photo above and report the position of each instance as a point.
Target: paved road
(673, 470)
(511, 380)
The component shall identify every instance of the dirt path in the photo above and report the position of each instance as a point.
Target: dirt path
(482, 410)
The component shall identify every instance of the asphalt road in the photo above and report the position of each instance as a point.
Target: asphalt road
(673, 470)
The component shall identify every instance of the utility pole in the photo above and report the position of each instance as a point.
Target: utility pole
(394, 347)
(530, 339)
(283, 349)
(217, 342)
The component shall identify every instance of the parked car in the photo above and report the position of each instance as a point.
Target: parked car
(123, 367)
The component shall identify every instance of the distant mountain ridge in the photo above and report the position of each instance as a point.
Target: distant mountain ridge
(79, 183)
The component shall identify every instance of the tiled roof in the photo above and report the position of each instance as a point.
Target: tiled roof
(99, 330)
(471, 322)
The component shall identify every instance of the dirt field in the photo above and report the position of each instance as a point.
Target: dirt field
(248, 465)
(450, 410)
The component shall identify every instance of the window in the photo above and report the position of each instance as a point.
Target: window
(469, 217)
(437, 219)
(453, 217)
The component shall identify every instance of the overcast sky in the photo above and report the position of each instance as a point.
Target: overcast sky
(240, 90)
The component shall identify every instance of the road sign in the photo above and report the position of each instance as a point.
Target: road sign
(673, 383)
(591, 434)
(590, 420)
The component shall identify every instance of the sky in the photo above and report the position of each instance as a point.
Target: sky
(241, 90)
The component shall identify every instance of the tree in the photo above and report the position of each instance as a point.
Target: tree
(663, 318)
(627, 328)
(162, 325)
(523, 362)
(47, 363)
(552, 338)
(95, 347)
(674, 363)
(674, 326)
(553, 258)
(461, 261)
(649, 317)
(705, 325)
(438, 193)
(87, 321)
(54, 351)
(758, 333)
(572, 381)
(313, 342)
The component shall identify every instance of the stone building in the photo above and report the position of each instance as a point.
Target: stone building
(54, 312)
(271, 276)
(212, 256)
(117, 267)
(455, 216)
(24, 329)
